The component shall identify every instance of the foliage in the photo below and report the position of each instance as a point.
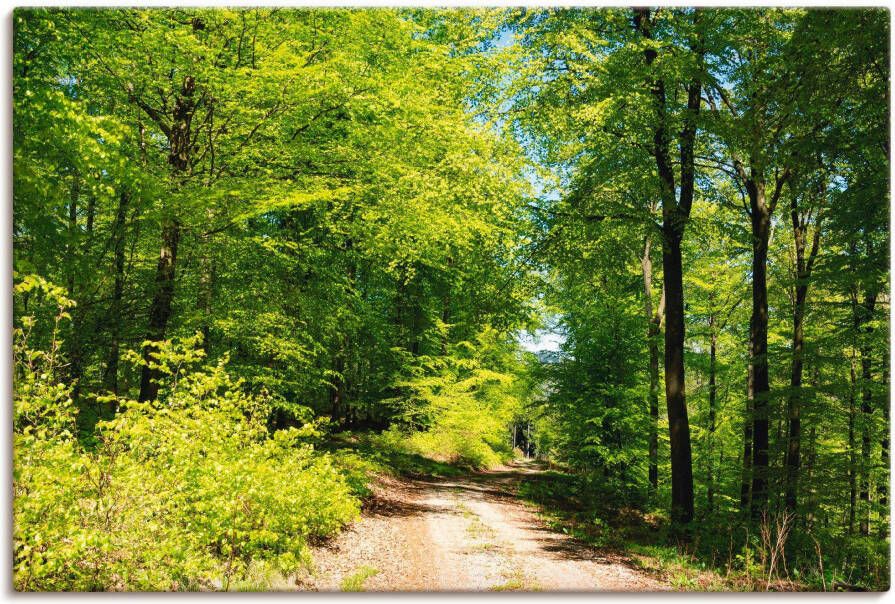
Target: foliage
(188, 492)
(457, 407)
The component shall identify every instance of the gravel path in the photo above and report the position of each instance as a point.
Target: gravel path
(468, 534)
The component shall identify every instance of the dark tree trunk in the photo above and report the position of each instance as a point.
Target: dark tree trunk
(794, 406)
(160, 311)
(862, 318)
(760, 211)
(758, 333)
(794, 403)
(883, 488)
(179, 158)
(677, 201)
(852, 456)
(675, 395)
(866, 425)
(110, 376)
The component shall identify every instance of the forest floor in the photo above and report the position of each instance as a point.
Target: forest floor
(470, 533)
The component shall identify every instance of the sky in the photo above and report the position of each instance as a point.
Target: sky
(541, 339)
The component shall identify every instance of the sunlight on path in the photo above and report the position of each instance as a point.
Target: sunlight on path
(464, 534)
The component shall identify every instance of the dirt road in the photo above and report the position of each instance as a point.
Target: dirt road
(467, 534)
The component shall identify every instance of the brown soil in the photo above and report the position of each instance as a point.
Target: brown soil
(466, 534)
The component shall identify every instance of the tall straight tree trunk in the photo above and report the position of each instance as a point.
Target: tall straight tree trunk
(794, 401)
(794, 406)
(677, 201)
(675, 395)
(654, 324)
(758, 333)
(866, 413)
(863, 313)
(760, 211)
(883, 488)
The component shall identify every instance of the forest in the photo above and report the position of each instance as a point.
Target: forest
(263, 257)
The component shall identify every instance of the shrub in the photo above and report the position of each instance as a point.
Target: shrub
(187, 492)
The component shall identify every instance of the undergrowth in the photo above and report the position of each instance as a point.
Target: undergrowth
(187, 492)
(720, 552)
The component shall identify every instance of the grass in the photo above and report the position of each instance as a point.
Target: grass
(355, 581)
(516, 582)
(680, 571)
(511, 585)
(478, 530)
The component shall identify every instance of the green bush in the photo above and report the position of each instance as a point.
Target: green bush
(188, 492)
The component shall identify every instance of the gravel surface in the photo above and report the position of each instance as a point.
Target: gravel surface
(467, 534)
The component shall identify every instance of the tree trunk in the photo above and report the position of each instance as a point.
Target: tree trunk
(675, 395)
(794, 401)
(110, 375)
(883, 488)
(794, 407)
(160, 311)
(180, 147)
(677, 201)
(758, 334)
(865, 315)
